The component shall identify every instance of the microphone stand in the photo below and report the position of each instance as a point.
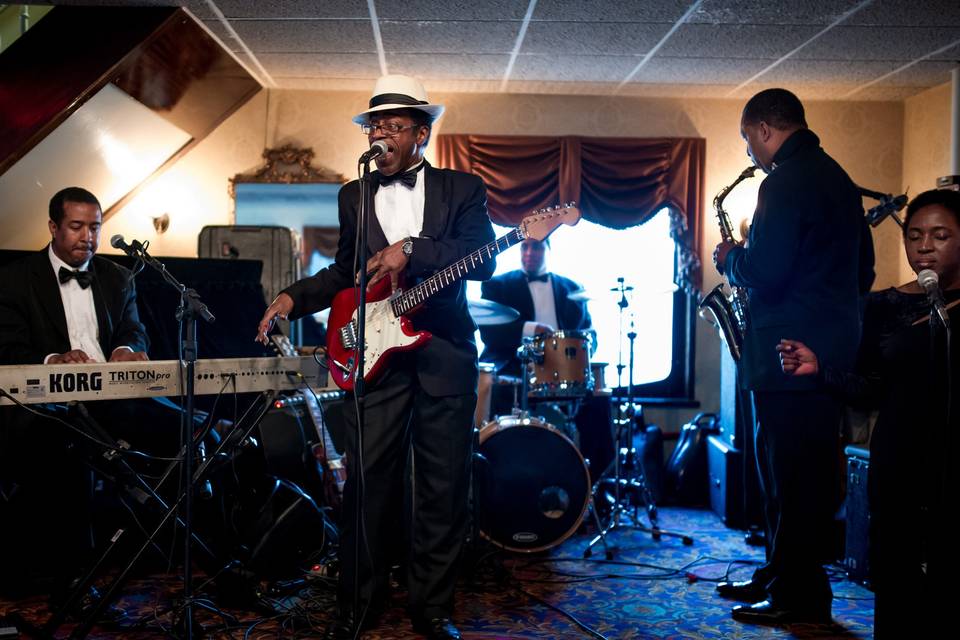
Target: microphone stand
(359, 387)
(627, 413)
(889, 205)
(187, 313)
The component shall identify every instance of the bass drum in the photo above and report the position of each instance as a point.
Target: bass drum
(534, 487)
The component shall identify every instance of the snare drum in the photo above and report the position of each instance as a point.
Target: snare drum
(565, 370)
(534, 485)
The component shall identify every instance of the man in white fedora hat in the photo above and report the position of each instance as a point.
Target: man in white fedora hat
(424, 219)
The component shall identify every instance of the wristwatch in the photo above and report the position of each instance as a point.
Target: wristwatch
(407, 247)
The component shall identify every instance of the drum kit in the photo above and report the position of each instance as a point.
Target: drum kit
(533, 486)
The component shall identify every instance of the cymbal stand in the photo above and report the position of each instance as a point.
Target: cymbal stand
(626, 416)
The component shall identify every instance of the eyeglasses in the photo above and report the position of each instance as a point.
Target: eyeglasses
(387, 128)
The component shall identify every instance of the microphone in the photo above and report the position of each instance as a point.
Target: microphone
(930, 283)
(889, 205)
(133, 250)
(377, 149)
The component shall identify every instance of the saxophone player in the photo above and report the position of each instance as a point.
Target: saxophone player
(807, 259)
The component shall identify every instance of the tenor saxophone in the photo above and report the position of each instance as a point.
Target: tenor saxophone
(729, 313)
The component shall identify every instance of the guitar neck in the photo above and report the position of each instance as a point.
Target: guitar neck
(417, 295)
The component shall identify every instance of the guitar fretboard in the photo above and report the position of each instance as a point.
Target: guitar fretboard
(418, 294)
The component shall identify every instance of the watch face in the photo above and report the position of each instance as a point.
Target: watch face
(407, 247)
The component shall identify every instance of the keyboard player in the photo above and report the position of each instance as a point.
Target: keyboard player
(64, 305)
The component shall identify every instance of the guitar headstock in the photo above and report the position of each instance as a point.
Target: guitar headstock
(541, 223)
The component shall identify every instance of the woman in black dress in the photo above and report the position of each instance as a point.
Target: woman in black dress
(904, 371)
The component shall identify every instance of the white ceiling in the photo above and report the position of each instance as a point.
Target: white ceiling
(821, 49)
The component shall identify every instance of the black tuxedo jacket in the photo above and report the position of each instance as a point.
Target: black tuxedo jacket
(32, 320)
(500, 342)
(808, 259)
(455, 223)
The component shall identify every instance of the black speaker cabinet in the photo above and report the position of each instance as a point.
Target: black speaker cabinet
(725, 464)
(277, 247)
(857, 548)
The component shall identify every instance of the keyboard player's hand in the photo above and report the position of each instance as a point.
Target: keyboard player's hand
(77, 356)
(126, 355)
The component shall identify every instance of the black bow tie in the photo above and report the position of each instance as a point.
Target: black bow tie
(407, 178)
(543, 277)
(84, 278)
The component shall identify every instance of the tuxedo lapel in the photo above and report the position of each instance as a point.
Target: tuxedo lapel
(48, 293)
(524, 302)
(376, 238)
(104, 323)
(435, 208)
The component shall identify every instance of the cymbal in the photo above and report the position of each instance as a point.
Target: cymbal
(487, 312)
(582, 295)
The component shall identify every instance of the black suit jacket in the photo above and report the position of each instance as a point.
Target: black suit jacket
(32, 320)
(455, 223)
(808, 259)
(500, 342)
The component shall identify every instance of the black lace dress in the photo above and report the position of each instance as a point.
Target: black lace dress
(902, 371)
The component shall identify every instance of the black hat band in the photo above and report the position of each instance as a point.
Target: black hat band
(395, 98)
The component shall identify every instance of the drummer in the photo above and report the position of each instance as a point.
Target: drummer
(541, 297)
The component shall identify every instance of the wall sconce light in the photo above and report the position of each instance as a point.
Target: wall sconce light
(161, 223)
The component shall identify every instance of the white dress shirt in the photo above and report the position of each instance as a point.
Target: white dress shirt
(79, 309)
(400, 208)
(544, 306)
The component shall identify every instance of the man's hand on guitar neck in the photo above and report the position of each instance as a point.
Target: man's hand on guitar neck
(388, 262)
(281, 307)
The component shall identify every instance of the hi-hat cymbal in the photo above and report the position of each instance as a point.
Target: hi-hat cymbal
(487, 312)
(582, 295)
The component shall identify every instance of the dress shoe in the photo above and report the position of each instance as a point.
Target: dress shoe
(768, 612)
(746, 590)
(437, 629)
(339, 629)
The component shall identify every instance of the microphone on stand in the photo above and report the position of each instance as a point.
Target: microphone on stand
(377, 149)
(133, 250)
(888, 206)
(930, 283)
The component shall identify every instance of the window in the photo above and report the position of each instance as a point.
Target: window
(644, 256)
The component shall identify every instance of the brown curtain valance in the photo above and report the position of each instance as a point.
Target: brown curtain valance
(617, 182)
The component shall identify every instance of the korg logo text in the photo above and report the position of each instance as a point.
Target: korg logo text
(69, 382)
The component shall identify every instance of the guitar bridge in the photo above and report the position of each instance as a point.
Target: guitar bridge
(348, 335)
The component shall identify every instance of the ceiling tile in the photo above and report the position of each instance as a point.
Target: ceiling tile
(449, 66)
(928, 73)
(565, 68)
(827, 71)
(450, 9)
(784, 12)
(655, 11)
(435, 36)
(287, 9)
(729, 72)
(768, 42)
(930, 13)
(326, 65)
(307, 36)
(592, 37)
(878, 43)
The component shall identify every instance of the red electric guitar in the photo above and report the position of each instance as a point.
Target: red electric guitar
(388, 329)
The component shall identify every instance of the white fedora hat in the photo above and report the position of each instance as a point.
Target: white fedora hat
(399, 92)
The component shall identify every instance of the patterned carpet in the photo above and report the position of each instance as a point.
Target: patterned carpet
(651, 589)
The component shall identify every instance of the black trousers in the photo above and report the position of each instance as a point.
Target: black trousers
(797, 439)
(46, 535)
(405, 426)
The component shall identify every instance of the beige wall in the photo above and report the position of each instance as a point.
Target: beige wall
(865, 137)
(926, 148)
